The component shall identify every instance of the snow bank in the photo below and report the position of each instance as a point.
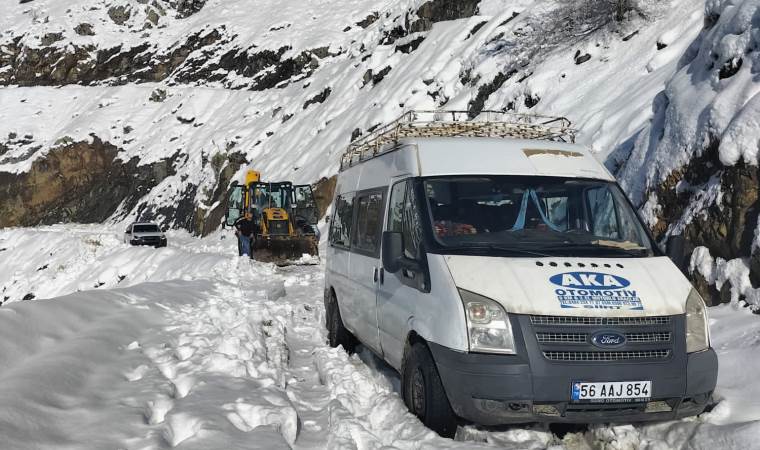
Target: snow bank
(57, 260)
(713, 98)
(198, 357)
(718, 271)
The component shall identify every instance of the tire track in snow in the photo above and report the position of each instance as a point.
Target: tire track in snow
(223, 361)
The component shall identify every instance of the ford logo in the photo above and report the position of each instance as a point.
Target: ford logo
(589, 280)
(607, 339)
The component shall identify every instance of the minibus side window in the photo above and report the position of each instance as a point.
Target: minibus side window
(368, 223)
(412, 229)
(340, 228)
(630, 226)
(396, 212)
(404, 217)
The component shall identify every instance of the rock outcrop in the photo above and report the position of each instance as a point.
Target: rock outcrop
(80, 182)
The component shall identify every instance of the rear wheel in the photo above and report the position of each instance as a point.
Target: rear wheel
(424, 394)
(337, 334)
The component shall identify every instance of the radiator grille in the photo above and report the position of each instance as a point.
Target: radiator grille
(581, 338)
(571, 338)
(647, 337)
(607, 356)
(599, 321)
(278, 227)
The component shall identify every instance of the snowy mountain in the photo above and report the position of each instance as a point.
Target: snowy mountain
(113, 110)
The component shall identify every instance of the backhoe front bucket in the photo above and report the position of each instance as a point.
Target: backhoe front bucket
(285, 252)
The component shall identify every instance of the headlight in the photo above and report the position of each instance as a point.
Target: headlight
(488, 325)
(697, 331)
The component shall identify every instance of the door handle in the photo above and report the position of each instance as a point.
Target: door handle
(374, 274)
(382, 275)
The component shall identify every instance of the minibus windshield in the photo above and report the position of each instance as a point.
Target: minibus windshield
(547, 215)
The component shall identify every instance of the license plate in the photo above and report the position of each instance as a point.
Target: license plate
(617, 391)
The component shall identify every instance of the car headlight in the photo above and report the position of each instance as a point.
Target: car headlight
(697, 331)
(488, 325)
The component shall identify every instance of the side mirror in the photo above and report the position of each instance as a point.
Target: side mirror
(393, 250)
(674, 249)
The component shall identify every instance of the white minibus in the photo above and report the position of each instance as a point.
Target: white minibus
(501, 270)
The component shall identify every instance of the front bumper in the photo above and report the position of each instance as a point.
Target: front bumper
(151, 243)
(501, 389)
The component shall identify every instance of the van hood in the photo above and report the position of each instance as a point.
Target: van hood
(628, 287)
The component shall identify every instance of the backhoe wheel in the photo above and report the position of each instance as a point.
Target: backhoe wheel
(337, 334)
(423, 392)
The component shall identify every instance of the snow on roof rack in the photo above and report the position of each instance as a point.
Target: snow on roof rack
(457, 123)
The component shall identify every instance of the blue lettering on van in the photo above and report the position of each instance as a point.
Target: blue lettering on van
(589, 280)
(592, 290)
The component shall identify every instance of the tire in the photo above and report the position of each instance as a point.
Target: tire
(424, 394)
(337, 334)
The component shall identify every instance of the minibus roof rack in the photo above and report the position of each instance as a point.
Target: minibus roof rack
(442, 123)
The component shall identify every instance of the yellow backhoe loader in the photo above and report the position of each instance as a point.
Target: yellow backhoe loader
(285, 217)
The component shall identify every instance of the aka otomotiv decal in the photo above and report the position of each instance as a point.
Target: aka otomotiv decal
(595, 291)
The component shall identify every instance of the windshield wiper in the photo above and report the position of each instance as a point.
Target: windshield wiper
(493, 247)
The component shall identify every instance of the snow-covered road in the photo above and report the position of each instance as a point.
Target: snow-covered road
(193, 347)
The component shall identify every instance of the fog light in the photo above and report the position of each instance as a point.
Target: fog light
(653, 407)
(517, 406)
(545, 410)
(491, 405)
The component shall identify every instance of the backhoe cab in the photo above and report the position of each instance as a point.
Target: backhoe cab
(285, 217)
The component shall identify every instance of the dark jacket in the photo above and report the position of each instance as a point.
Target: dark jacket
(245, 226)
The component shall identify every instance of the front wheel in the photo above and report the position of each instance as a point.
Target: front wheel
(424, 394)
(337, 334)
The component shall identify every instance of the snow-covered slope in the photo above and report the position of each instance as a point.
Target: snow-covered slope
(288, 86)
(695, 167)
(194, 348)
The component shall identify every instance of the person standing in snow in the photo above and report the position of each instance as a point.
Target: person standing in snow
(245, 231)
